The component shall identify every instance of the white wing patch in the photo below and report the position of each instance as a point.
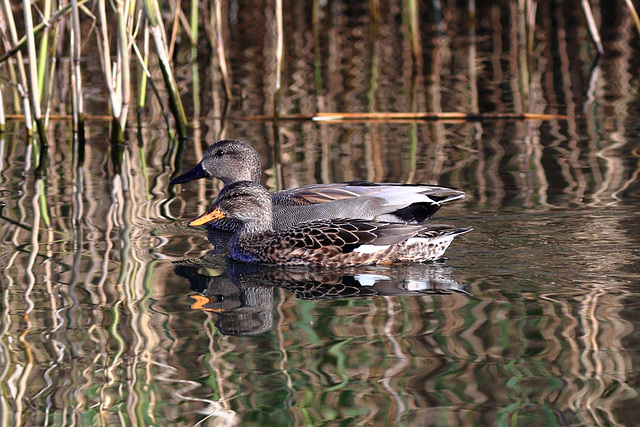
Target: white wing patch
(369, 279)
(370, 249)
(437, 240)
(416, 285)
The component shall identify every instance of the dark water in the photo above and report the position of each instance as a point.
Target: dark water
(113, 312)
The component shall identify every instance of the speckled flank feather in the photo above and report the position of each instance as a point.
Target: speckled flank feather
(336, 242)
(327, 243)
(234, 160)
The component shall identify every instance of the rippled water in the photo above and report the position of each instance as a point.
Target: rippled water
(113, 312)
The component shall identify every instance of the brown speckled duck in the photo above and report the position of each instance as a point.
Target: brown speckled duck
(326, 242)
(233, 160)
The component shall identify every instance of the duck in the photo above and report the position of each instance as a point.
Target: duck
(234, 160)
(321, 242)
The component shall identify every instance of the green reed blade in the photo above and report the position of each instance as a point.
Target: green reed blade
(144, 60)
(43, 204)
(156, 28)
(18, 44)
(43, 51)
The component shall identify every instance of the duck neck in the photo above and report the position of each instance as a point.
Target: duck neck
(256, 174)
(244, 175)
(249, 170)
(242, 245)
(253, 168)
(252, 227)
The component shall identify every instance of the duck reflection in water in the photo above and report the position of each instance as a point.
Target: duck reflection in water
(242, 294)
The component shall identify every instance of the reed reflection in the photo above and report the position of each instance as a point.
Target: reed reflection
(242, 294)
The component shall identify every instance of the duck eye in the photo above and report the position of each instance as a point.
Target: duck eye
(219, 153)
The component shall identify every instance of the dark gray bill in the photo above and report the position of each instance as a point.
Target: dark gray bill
(196, 173)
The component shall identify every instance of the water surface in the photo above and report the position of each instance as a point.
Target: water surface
(113, 312)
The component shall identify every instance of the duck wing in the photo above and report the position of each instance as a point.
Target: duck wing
(363, 200)
(396, 202)
(394, 194)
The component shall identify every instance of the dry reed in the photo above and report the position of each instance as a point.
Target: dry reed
(33, 83)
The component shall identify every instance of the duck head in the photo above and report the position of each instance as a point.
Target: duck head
(230, 160)
(247, 202)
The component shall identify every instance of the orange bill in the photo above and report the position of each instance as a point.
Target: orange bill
(207, 217)
(200, 304)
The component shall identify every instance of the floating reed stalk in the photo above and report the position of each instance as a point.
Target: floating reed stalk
(334, 117)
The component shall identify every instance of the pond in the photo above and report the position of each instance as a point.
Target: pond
(114, 312)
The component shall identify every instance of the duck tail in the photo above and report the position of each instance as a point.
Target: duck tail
(417, 213)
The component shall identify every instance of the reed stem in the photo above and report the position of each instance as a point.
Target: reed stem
(76, 73)
(124, 65)
(148, 79)
(193, 59)
(157, 33)
(279, 58)
(44, 48)
(593, 28)
(15, 94)
(144, 59)
(21, 85)
(49, 83)
(32, 80)
(3, 122)
(105, 51)
(414, 29)
(634, 14)
(222, 57)
(18, 44)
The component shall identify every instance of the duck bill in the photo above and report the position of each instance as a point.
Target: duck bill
(197, 172)
(207, 217)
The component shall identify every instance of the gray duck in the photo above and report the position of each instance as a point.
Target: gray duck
(233, 160)
(324, 242)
